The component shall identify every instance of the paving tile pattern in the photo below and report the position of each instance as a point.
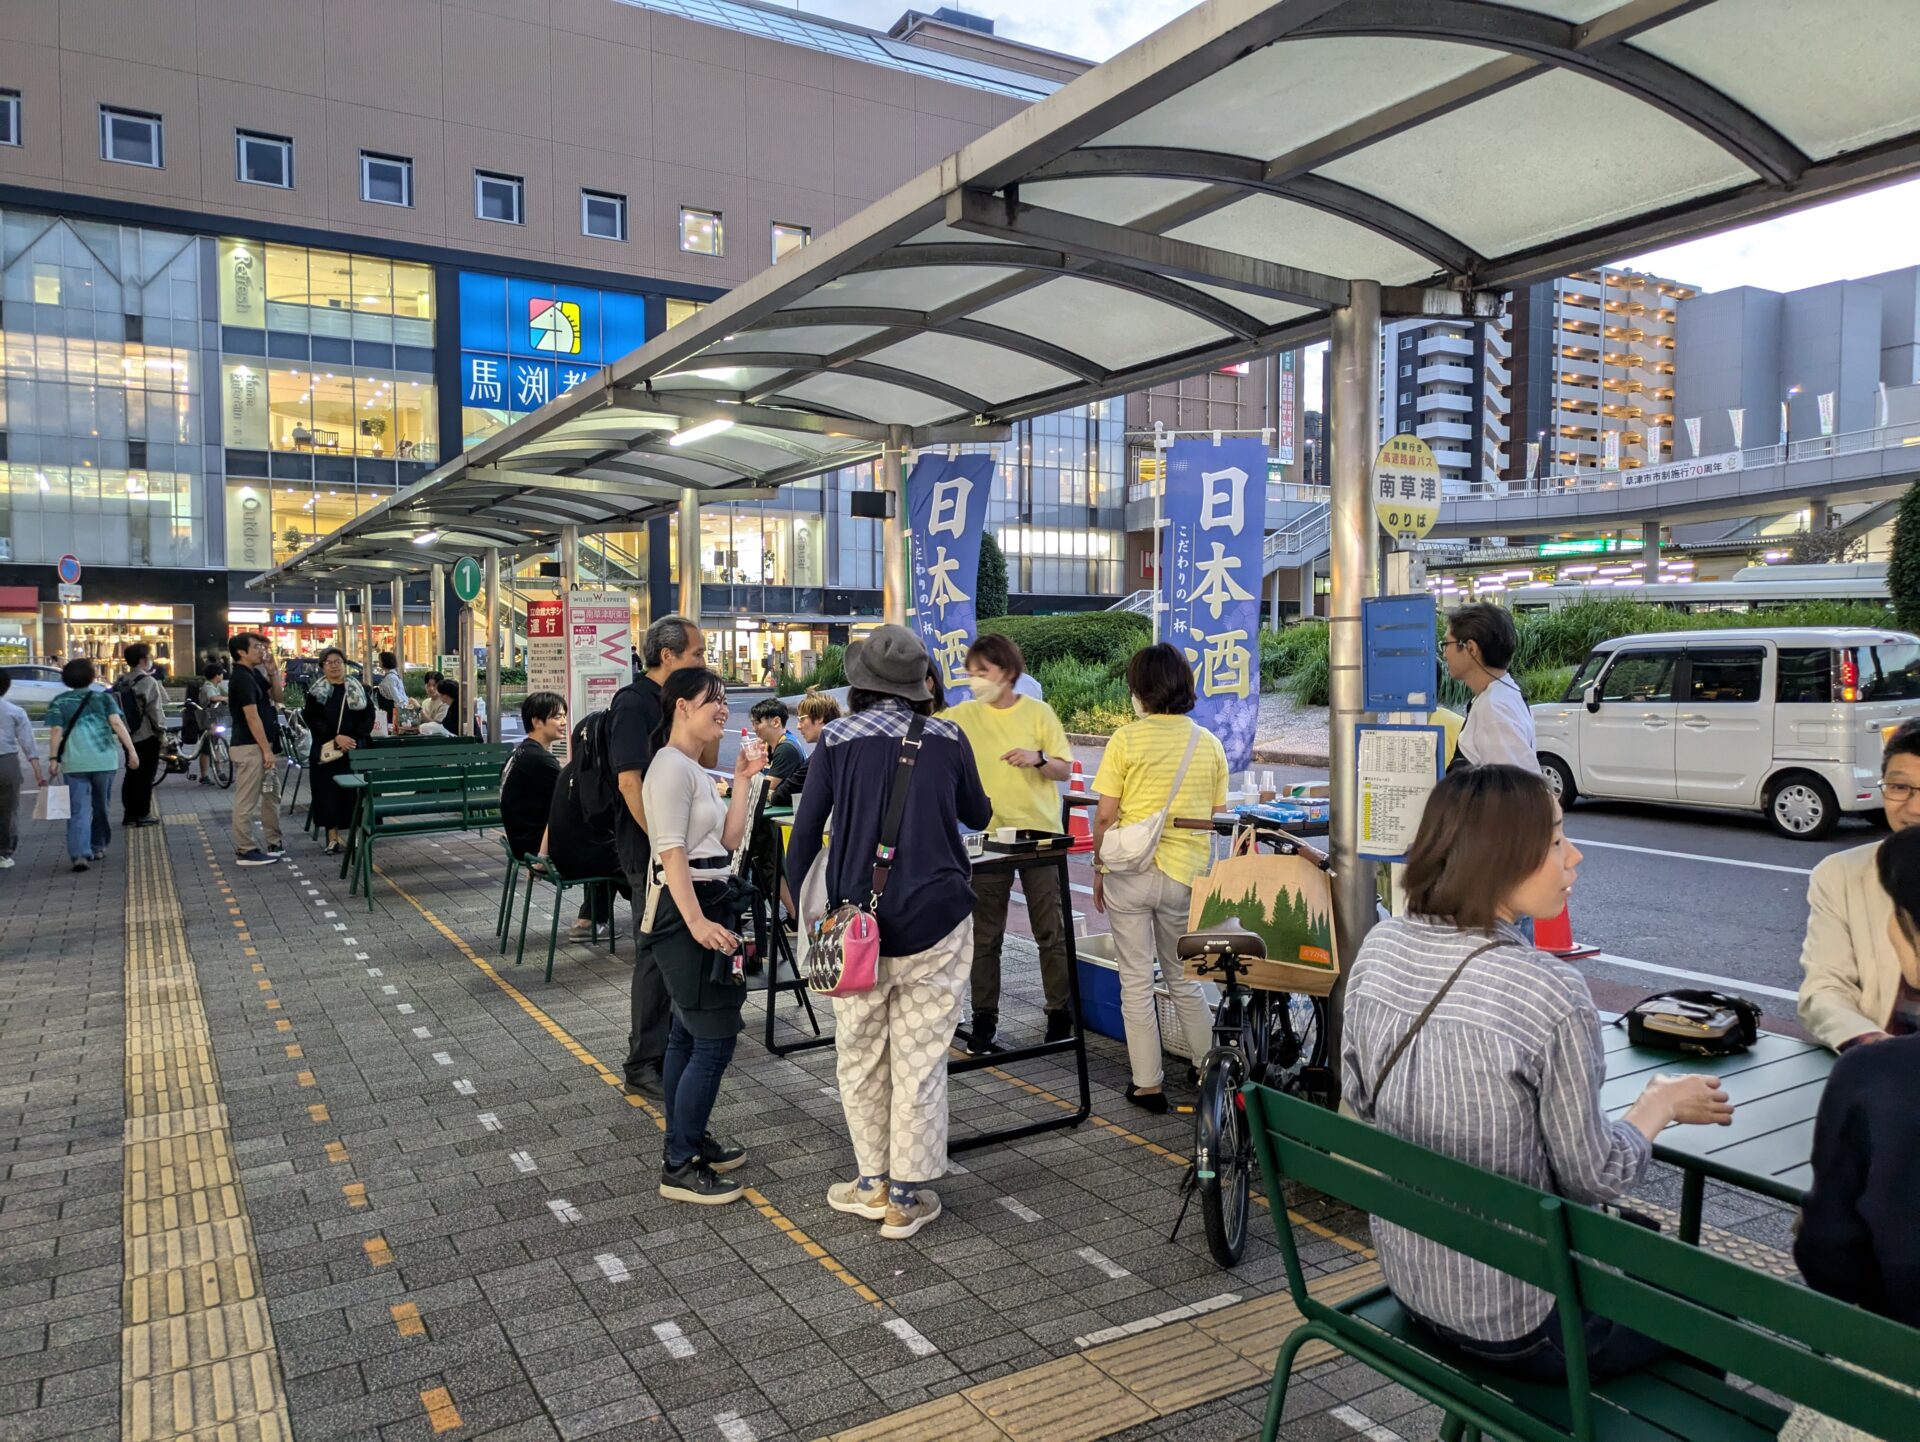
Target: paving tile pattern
(453, 1210)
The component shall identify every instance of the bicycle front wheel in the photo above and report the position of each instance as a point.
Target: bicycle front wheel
(220, 761)
(1223, 1156)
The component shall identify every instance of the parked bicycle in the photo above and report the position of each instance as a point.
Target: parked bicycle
(1276, 1038)
(208, 728)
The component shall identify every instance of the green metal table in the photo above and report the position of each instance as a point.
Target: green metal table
(1776, 1088)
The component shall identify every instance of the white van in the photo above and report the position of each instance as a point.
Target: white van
(1788, 721)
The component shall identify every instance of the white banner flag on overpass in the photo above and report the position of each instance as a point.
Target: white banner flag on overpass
(1693, 436)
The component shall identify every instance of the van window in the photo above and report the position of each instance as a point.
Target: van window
(1889, 673)
(1583, 678)
(1806, 674)
(1725, 675)
(1639, 676)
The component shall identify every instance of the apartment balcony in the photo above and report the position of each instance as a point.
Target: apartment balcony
(1445, 345)
(1444, 374)
(1498, 342)
(1586, 395)
(1496, 427)
(1444, 401)
(1572, 285)
(1498, 400)
(1587, 364)
(1498, 374)
(1453, 459)
(1433, 431)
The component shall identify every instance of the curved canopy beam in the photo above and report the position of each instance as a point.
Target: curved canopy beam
(867, 370)
(916, 322)
(1590, 50)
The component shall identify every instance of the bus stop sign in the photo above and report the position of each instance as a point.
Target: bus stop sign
(466, 579)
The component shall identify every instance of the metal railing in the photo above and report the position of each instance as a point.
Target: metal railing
(1140, 603)
(1298, 537)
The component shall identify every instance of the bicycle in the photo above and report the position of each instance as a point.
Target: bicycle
(1279, 1039)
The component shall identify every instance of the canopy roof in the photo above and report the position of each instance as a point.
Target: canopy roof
(1202, 198)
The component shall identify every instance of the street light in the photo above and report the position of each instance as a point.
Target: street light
(1786, 417)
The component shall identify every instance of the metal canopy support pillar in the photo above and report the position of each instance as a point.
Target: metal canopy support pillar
(1353, 364)
(342, 638)
(1650, 550)
(495, 628)
(366, 634)
(690, 554)
(399, 602)
(1306, 591)
(893, 533)
(437, 612)
(569, 560)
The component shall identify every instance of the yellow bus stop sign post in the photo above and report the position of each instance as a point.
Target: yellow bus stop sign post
(1406, 488)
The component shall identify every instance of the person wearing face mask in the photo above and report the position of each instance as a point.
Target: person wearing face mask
(1460, 1036)
(1022, 753)
(1148, 910)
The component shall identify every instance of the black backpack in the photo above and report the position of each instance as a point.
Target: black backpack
(596, 784)
(129, 700)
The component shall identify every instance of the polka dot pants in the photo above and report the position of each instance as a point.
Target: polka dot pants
(892, 1045)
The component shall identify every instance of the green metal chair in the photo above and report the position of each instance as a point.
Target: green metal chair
(509, 891)
(540, 869)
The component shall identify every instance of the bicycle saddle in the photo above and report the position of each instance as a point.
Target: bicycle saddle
(1226, 941)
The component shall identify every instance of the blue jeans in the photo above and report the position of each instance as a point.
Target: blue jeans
(1613, 1350)
(88, 829)
(691, 1075)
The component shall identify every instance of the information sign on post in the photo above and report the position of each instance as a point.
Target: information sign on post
(547, 647)
(69, 592)
(599, 649)
(468, 577)
(1397, 668)
(1399, 767)
(1406, 488)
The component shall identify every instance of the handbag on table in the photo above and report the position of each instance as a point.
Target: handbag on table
(843, 946)
(1694, 1023)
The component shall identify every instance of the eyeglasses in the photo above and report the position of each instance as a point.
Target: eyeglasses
(1897, 790)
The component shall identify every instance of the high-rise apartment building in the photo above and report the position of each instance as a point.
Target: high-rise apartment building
(1593, 377)
(1446, 381)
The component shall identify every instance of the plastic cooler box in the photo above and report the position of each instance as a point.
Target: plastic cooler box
(1100, 996)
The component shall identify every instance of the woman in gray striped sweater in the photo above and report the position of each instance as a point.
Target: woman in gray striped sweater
(1462, 1037)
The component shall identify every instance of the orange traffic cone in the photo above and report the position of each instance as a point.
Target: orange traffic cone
(1079, 817)
(1556, 936)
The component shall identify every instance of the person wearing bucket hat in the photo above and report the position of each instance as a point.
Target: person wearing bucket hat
(891, 1042)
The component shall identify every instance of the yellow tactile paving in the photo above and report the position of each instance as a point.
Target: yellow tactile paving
(441, 1413)
(1178, 1366)
(1063, 1401)
(196, 1347)
(407, 1320)
(952, 1418)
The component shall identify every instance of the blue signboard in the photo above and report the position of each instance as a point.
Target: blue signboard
(1210, 565)
(947, 511)
(1398, 669)
(525, 342)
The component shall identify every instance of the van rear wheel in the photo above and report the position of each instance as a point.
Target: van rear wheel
(1801, 806)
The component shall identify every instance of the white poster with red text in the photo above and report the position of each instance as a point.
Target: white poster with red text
(599, 649)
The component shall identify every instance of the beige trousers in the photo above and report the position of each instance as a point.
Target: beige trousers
(1147, 912)
(250, 802)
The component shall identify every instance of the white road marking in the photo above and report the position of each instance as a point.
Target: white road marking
(390, 991)
(1102, 1262)
(524, 1161)
(488, 1121)
(833, 1092)
(442, 1058)
(1583, 842)
(375, 971)
(733, 1427)
(1019, 1208)
(613, 1269)
(405, 1008)
(351, 940)
(422, 1033)
(465, 1087)
(564, 1211)
(329, 915)
(910, 1334)
(341, 926)
(1729, 983)
(362, 956)
(673, 1339)
(1159, 1319)
(1366, 1426)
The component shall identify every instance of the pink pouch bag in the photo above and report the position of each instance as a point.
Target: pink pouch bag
(843, 946)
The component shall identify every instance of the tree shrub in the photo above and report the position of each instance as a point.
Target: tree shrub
(828, 673)
(990, 581)
(1903, 566)
(1097, 636)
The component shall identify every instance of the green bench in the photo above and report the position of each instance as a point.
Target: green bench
(1794, 1342)
(418, 791)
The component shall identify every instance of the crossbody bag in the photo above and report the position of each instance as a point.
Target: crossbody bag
(1129, 850)
(67, 734)
(843, 951)
(330, 750)
(1426, 1014)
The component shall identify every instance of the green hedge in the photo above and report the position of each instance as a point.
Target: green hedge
(1098, 637)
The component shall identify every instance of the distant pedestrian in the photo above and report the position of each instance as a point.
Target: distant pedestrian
(770, 669)
(84, 725)
(213, 699)
(391, 690)
(16, 749)
(1479, 646)
(339, 716)
(255, 745)
(144, 705)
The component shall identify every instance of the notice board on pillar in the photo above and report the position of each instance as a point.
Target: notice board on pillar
(547, 647)
(599, 649)
(1211, 571)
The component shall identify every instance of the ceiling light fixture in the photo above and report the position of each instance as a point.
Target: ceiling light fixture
(700, 432)
(426, 538)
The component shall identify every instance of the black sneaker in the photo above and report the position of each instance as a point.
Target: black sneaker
(648, 1083)
(80, 866)
(697, 1182)
(721, 1155)
(1060, 1025)
(980, 1037)
(277, 848)
(255, 857)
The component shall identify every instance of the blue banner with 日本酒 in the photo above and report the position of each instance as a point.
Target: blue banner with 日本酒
(947, 513)
(1210, 575)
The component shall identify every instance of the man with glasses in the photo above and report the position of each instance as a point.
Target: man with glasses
(1852, 991)
(1479, 646)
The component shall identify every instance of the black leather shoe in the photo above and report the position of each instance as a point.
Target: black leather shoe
(721, 1155)
(1060, 1025)
(1155, 1102)
(980, 1036)
(648, 1083)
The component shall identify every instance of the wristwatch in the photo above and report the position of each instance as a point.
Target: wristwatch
(1041, 763)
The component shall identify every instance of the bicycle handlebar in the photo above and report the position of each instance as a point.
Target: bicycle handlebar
(1267, 828)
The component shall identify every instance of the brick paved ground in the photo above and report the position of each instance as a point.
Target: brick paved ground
(454, 1213)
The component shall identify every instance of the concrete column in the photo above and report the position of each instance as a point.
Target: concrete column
(398, 594)
(1273, 602)
(893, 535)
(496, 627)
(365, 637)
(437, 610)
(690, 554)
(1305, 575)
(466, 672)
(340, 610)
(569, 559)
(1353, 370)
(1650, 550)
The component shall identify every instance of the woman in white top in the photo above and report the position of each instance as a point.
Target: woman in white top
(693, 902)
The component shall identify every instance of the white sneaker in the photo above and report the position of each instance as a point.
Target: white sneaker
(6, 863)
(903, 1222)
(856, 1201)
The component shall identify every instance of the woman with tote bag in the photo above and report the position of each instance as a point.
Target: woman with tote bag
(1159, 767)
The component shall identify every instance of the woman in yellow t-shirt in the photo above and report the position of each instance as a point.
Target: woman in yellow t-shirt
(1148, 910)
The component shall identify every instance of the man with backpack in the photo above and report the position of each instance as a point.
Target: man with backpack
(670, 644)
(144, 703)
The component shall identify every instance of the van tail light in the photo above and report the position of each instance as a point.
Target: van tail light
(1849, 675)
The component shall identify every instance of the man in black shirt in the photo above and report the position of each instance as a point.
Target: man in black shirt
(671, 644)
(527, 780)
(253, 698)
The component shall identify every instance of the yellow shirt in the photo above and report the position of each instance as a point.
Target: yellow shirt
(1021, 796)
(1141, 760)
